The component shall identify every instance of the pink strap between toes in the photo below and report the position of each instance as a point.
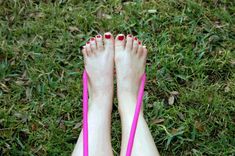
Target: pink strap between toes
(85, 114)
(136, 116)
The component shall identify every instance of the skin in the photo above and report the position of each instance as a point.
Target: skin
(129, 57)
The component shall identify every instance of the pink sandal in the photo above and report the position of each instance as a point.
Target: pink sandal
(134, 122)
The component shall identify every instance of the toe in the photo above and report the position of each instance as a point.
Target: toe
(99, 42)
(88, 48)
(84, 52)
(119, 43)
(108, 40)
(93, 44)
(145, 52)
(140, 50)
(129, 42)
(135, 45)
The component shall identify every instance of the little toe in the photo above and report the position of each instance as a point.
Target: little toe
(93, 45)
(99, 42)
(140, 50)
(129, 42)
(108, 40)
(145, 52)
(135, 45)
(84, 52)
(119, 43)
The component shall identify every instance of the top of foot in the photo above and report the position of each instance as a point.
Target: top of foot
(130, 60)
(99, 63)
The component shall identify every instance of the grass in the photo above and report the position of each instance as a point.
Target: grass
(190, 94)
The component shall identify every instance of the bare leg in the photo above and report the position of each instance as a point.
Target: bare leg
(99, 64)
(130, 59)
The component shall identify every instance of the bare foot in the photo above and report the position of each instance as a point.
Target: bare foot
(130, 60)
(99, 63)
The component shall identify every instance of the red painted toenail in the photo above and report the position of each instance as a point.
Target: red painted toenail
(107, 36)
(120, 38)
(129, 35)
(92, 39)
(98, 36)
(88, 42)
(139, 43)
(135, 38)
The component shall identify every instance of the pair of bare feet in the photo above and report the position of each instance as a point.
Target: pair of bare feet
(128, 55)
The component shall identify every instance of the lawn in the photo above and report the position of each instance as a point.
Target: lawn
(189, 97)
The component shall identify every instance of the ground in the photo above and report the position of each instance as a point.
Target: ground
(190, 93)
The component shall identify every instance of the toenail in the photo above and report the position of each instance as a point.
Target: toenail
(107, 36)
(120, 38)
(129, 35)
(135, 38)
(88, 42)
(98, 36)
(92, 39)
(139, 43)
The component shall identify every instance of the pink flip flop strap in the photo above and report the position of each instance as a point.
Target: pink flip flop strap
(134, 122)
(85, 114)
(136, 116)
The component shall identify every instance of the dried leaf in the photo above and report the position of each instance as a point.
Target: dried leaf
(199, 126)
(4, 88)
(174, 131)
(61, 95)
(226, 89)
(73, 29)
(171, 100)
(19, 82)
(62, 126)
(232, 62)
(118, 9)
(37, 15)
(150, 105)
(24, 118)
(78, 125)
(107, 16)
(210, 98)
(28, 94)
(34, 127)
(152, 11)
(18, 115)
(175, 93)
(181, 116)
(157, 121)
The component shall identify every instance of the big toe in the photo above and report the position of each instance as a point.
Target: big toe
(119, 43)
(108, 41)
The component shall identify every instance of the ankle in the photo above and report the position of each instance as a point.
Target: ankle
(128, 114)
(101, 102)
(127, 105)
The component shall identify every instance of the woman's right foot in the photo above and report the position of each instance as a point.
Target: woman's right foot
(99, 63)
(130, 60)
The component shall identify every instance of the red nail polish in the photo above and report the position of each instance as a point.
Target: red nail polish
(129, 35)
(135, 38)
(92, 39)
(120, 38)
(98, 36)
(107, 36)
(139, 43)
(88, 42)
